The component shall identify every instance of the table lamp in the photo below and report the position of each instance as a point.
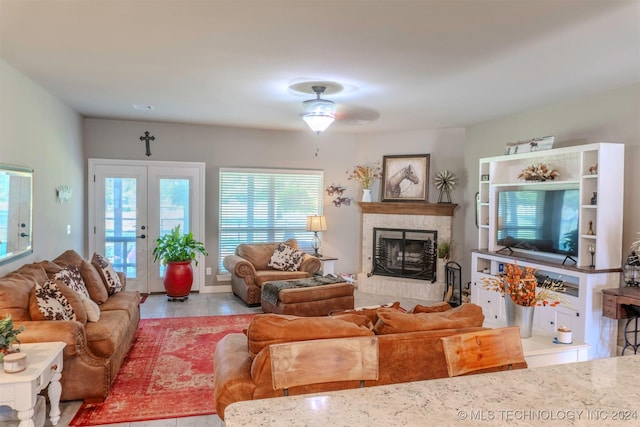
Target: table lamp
(316, 223)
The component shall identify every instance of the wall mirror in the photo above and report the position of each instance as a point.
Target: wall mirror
(15, 212)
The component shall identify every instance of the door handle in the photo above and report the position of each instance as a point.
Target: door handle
(142, 236)
(24, 235)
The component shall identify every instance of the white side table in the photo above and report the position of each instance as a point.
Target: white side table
(20, 390)
(328, 265)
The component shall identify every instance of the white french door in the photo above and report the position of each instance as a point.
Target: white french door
(131, 203)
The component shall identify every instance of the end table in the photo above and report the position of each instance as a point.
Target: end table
(20, 390)
(328, 264)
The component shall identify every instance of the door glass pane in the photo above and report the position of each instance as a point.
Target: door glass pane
(174, 206)
(120, 224)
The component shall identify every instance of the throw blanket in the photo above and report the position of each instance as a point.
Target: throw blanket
(270, 290)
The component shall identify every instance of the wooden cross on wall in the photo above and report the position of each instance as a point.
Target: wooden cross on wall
(146, 138)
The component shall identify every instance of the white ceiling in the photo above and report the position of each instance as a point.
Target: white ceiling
(412, 64)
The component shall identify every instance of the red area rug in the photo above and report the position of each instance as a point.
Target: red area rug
(168, 372)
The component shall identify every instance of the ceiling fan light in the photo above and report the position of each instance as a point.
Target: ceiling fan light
(319, 113)
(318, 122)
(322, 106)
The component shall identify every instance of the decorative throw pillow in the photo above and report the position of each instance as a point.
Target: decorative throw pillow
(51, 303)
(75, 301)
(286, 258)
(434, 308)
(370, 312)
(93, 281)
(93, 310)
(108, 274)
(267, 329)
(395, 322)
(71, 277)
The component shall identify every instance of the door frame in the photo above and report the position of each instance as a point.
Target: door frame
(198, 205)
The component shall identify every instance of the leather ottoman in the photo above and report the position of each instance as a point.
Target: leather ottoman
(311, 301)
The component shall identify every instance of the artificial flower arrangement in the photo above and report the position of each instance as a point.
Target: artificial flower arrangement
(8, 336)
(540, 172)
(365, 174)
(521, 286)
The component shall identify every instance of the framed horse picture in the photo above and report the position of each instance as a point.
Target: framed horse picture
(405, 178)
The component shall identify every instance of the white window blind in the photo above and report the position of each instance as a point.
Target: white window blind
(266, 205)
(520, 214)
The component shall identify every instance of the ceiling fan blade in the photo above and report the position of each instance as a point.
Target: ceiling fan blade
(354, 114)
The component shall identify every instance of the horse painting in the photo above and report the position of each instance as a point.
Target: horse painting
(393, 188)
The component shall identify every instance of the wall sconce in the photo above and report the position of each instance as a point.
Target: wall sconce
(316, 223)
(63, 193)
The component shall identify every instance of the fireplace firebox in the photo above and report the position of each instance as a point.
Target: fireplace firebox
(405, 253)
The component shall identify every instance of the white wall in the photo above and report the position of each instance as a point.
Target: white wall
(235, 147)
(40, 132)
(612, 116)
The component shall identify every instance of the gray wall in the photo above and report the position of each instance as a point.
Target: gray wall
(40, 132)
(234, 147)
(612, 116)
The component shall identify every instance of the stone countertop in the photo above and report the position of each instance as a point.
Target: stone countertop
(598, 392)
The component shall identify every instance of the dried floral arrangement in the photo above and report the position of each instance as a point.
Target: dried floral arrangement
(521, 286)
(365, 174)
(635, 246)
(539, 172)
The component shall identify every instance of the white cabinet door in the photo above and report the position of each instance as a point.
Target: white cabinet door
(572, 319)
(545, 319)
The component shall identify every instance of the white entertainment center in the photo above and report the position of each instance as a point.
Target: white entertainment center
(597, 245)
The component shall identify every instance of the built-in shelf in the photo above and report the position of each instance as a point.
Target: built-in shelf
(536, 183)
(408, 208)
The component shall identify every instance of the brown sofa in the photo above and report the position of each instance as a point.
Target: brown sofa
(409, 348)
(95, 349)
(249, 269)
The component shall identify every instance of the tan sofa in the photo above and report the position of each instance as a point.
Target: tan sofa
(249, 269)
(409, 348)
(95, 349)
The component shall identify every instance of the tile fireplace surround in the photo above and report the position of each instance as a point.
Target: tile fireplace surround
(413, 216)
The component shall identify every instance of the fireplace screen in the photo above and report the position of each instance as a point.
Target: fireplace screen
(405, 253)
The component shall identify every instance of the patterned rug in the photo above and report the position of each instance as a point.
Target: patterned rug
(168, 372)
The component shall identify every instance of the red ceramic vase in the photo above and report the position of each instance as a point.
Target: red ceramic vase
(178, 279)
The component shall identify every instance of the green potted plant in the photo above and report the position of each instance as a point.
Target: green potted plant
(444, 250)
(177, 251)
(8, 336)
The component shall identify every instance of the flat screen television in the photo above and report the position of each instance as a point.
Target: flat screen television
(539, 220)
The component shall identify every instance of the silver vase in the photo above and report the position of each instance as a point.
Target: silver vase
(519, 315)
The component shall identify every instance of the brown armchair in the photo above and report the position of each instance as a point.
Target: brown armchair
(249, 269)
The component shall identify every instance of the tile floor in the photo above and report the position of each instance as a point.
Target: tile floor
(157, 306)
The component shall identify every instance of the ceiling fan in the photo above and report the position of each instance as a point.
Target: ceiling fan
(319, 113)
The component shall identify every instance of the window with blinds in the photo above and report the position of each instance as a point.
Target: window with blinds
(520, 214)
(266, 205)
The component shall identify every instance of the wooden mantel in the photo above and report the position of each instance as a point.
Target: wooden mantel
(408, 208)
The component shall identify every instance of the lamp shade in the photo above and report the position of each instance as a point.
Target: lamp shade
(319, 113)
(318, 122)
(316, 223)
